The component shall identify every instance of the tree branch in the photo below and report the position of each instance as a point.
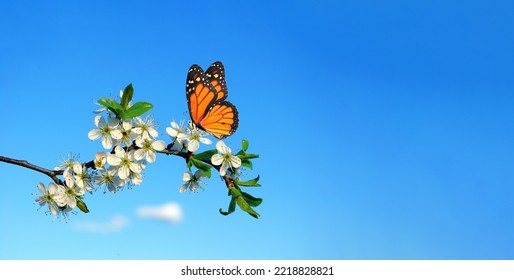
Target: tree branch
(186, 155)
(50, 173)
(54, 173)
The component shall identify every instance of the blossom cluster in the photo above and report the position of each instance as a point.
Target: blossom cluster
(189, 139)
(186, 139)
(133, 145)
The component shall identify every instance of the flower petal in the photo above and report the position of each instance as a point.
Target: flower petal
(94, 134)
(137, 130)
(135, 167)
(194, 186)
(113, 122)
(72, 202)
(193, 145)
(52, 188)
(150, 156)
(119, 151)
(99, 110)
(107, 142)
(60, 196)
(41, 188)
(54, 208)
(206, 141)
(171, 132)
(217, 159)
(99, 121)
(77, 168)
(136, 179)
(79, 191)
(186, 177)
(70, 182)
(123, 172)
(223, 168)
(220, 146)
(139, 154)
(113, 159)
(140, 142)
(152, 132)
(126, 125)
(159, 145)
(116, 134)
(235, 161)
(199, 174)
(120, 182)
(184, 187)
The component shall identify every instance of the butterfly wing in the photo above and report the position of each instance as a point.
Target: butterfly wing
(207, 110)
(221, 120)
(216, 75)
(200, 94)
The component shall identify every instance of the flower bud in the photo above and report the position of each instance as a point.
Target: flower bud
(82, 206)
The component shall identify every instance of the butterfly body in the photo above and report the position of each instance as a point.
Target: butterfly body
(206, 94)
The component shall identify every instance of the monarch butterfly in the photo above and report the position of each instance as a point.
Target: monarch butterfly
(206, 93)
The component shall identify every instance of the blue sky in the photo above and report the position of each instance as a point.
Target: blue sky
(384, 129)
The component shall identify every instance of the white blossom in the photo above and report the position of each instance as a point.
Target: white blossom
(225, 158)
(147, 149)
(124, 161)
(66, 196)
(109, 178)
(47, 197)
(191, 182)
(108, 131)
(82, 177)
(194, 137)
(145, 129)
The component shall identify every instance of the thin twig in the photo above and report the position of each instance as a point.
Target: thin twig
(50, 173)
(229, 181)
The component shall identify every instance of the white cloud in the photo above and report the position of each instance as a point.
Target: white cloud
(117, 223)
(170, 212)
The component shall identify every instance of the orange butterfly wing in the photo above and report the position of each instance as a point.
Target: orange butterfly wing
(199, 93)
(221, 120)
(216, 75)
(207, 107)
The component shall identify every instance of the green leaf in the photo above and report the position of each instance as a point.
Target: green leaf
(137, 109)
(189, 164)
(231, 207)
(249, 183)
(204, 168)
(235, 191)
(128, 92)
(104, 102)
(112, 106)
(246, 163)
(245, 144)
(252, 201)
(207, 172)
(206, 156)
(248, 156)
(241, 202)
